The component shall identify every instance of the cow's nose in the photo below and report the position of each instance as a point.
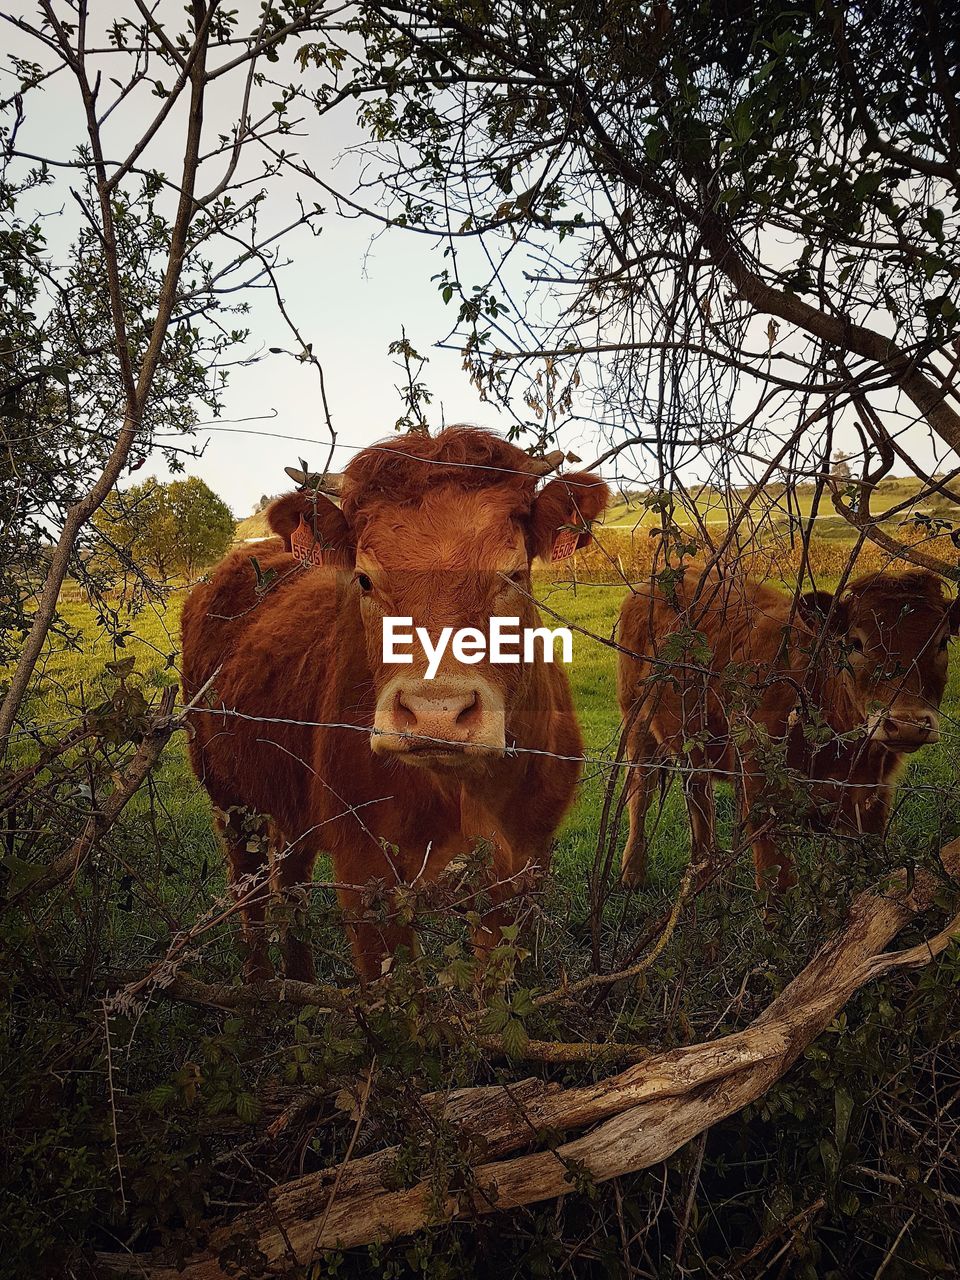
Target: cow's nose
(911, 730)
(442, 721)
(449, 712)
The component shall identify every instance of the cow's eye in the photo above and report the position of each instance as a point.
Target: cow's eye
(364, 583)
(518, 578)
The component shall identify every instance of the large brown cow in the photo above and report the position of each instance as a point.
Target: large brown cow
(439, 530)
(723, 668)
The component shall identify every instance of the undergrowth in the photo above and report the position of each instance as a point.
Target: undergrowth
(136, 1123)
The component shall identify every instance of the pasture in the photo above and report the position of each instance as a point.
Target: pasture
(75, 676)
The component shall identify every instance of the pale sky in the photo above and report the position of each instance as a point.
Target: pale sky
(351, 291)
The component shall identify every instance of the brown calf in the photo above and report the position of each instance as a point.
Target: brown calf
(442, 531)
(848, 686)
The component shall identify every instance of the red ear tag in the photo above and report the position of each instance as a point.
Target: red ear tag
(565, 544)
(304, 545)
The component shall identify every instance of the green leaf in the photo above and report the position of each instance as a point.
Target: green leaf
(741, 126)
(247, 1107)
(933, 223)
(121, 667)
(161, 1097)
(843, 1106)
(867, 184)
(849, 1203)
(515, 1038)
(20, 873)
(522, 1003)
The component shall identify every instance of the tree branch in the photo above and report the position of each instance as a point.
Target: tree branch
(642, 1115)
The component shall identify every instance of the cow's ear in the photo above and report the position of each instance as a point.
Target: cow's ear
(323, 519)
(562, 513)
(815, 607)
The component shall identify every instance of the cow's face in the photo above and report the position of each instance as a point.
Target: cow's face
(455, 560)
(893, 633)
(452, 557)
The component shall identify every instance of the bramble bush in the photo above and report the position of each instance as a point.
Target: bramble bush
(134, 1117)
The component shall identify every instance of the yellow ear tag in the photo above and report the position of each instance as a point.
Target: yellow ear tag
(304, 545)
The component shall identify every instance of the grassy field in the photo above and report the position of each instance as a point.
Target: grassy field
(774, 504)
(74, 677)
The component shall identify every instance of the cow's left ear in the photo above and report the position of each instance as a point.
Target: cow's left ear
(814, 607)
(562, 513)
(322, 522)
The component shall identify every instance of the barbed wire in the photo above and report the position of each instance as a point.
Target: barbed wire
(384, 447)
(511, 750)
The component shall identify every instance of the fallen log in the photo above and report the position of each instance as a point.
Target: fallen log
(642, 1115)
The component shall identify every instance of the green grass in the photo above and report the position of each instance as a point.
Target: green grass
(74, 677)
(254, 526)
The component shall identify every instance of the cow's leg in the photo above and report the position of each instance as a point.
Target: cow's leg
(246, 837)
(511, 879)
(370, 928)
(701, 810)
(291, 869)
(372, 941)
(646, 760)
(518, 864)
(512, 876)
(773, 866)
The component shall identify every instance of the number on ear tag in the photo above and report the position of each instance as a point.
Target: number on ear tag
(565, 544)
(304, 545)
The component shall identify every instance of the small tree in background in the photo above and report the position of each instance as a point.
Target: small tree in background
(203, 523)
(169, 529)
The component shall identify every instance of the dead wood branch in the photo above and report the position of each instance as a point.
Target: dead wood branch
(869, 527)
(641, 1116)
(566, 1050)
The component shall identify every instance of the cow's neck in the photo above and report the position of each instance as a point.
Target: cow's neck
(826, 690)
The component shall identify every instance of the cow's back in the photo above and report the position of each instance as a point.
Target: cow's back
(265, 645)
(744, 626)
